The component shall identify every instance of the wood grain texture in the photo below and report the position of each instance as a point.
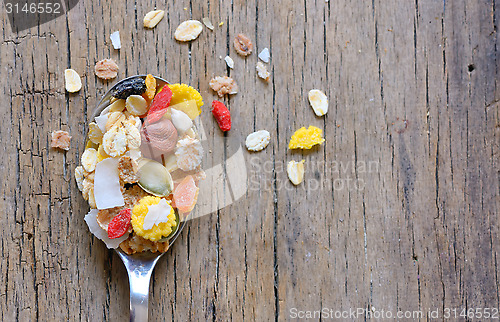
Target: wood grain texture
(400, 206)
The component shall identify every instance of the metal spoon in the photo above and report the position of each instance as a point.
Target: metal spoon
(139, 266)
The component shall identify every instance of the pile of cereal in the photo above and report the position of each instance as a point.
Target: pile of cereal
(141, 164)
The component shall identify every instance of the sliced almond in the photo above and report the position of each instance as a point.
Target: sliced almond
(295, 171)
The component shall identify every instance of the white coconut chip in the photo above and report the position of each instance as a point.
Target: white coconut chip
(208, 23)
(229, 62)
(91, 220)
(264, 55)
(115, 40)
(107, 191)
(156, 214)
(181, 120)
(101, 121)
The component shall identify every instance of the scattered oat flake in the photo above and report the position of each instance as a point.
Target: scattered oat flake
(318, 101)
(295, 171)
(152, 18)
(106, 69)
(60, 140)
(243, 45)
(262, 71)
(115, 40)
(257, 141)
(73, 82)
(188, 30)
(223, 85)
(229, 62)
(264, 55)
(89, 159)
(208, 23)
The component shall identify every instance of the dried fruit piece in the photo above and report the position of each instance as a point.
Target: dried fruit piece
(60, 139)
(243, 45)
(115, 40)
(295, 171)
(318, 101)
(106, 69)
(262, 71)
(181, 120)
(100, 233)
(154, 178)
(189, 154)
(183, 93)
(160, 209)
(306, 138)
(159, 105)
(150, 86)
(136, 105)
(222, 115)
(120, 224)
(257, 141)
(229, 62)
(208, 23)
(73, 82)
(188, 30)
(89, 159)
(223, 85)
(186, 194)
(264, 55)
(95, 133)
(134, 86)
(115, 141)
(152, 18)
(162, 135)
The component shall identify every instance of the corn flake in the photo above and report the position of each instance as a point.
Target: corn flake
(306, 138)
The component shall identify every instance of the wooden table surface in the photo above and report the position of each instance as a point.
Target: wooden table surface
(400, 206)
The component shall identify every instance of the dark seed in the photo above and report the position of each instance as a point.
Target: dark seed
(135, 86)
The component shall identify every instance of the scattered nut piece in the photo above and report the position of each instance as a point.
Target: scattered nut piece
(106, 69)
(73, 82)
(319, 102)
(262, 71)
(208, 23)
(150, 86)
(257, 141)
(295, 171)
(229, 62)
(264, 55)
(243, 45)
(188, 30)
(115, 40)
(152, 18)
(89, 159)
(61, 140)
(127, 169)
(223, 85)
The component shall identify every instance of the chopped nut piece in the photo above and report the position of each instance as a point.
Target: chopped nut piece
(127, 169)
(229, 62)
(262, 71)
(61, 140)
(152, 18)
(257, 141)
(243, 45)
(295, 171)
(208, 23)
(188, 30)
(223, 85)
(318, 101)
(106, 69)
(115, 40)
(72, 80)
(264, 55)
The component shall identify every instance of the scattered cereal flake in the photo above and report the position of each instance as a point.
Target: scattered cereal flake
(106, 69)
(264, 55)
(221, 23)
(243, 45)
(262, 71)
(306, 138)
(127, 169)
(223, 85)
(95, 133)
(295, 171)
(73, 82)
(136, 105)
(91, 220)
(152, 18)
(115, 118)
(257, 141)
(318, 101)
(189, 154)
(115, 141)
(101, 122)
(117, 106)
(133, 135)
(181, 120)
(115, 40)
(188, 30)
(79, 176)
(229, 62)
(91, 200)
(107, 186)
(150, 86)
(208, 23)
(60, 139)
(89, 159)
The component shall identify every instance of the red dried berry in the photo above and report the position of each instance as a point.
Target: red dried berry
(120, 224)
(160, 104)
(222, 115)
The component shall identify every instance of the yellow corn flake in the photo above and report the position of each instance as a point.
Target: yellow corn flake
(150, 86)
(306, 138)
(158, 231)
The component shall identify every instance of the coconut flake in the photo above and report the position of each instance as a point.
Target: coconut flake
(101, 121)
(115, 40)
(264, 55)
(181, 120)
(229, 62)
(208, 23)
(91, 220)
(107, 190)
(157, 214)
